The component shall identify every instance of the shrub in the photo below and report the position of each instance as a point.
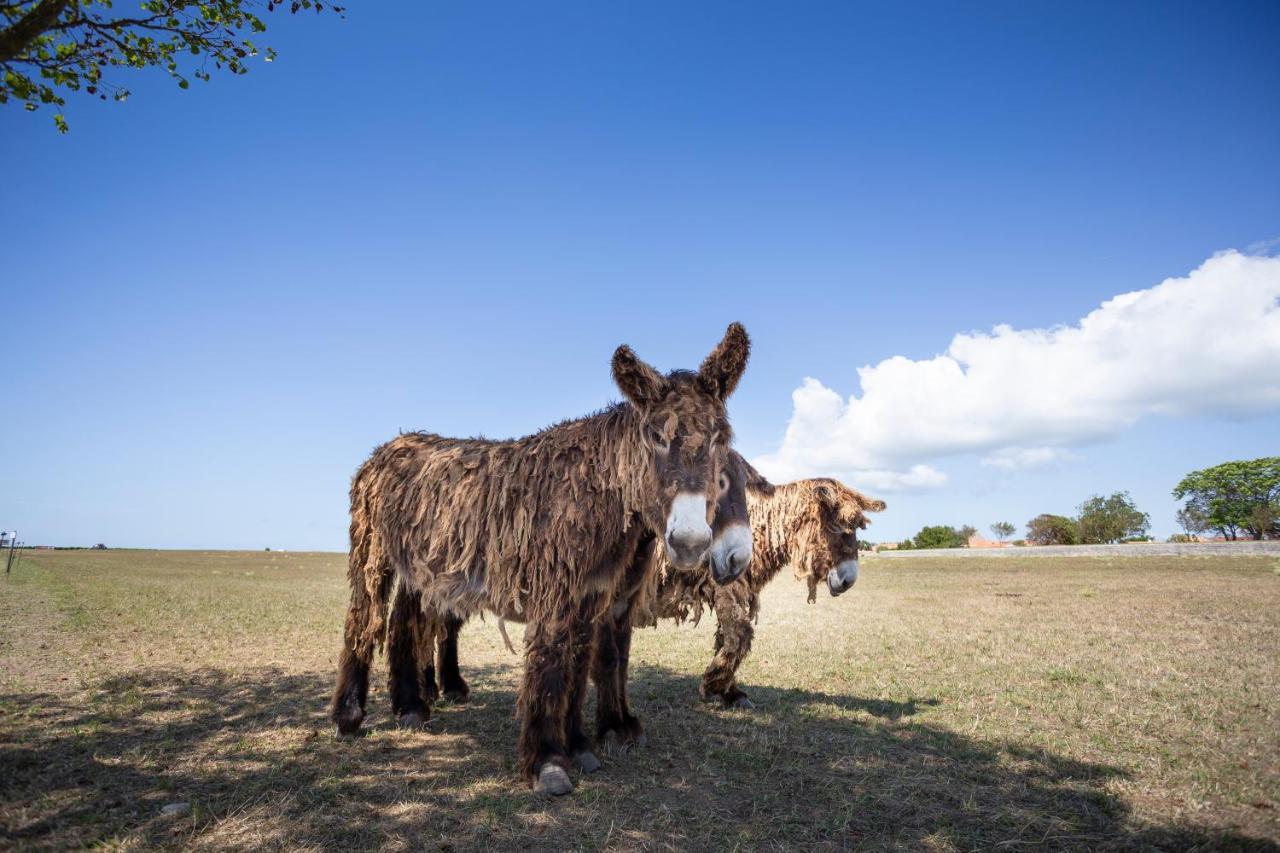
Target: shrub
(940, 536)
(1047, 529)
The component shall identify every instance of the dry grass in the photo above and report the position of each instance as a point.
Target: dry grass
(1002, 704)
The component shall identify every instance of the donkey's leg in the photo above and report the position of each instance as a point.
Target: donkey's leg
(576, 740)
(430, 689)
(734, 632)
(352, 691)
(616, 727)
(404, 639)
(451, 680)
(622, 631)
(366, 615)
(543, 705)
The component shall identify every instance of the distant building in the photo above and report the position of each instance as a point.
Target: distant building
(977, 541)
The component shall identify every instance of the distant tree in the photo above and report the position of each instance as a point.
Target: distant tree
(1046, 529)
(1227, 495)
(1265, 522)
(906, 545)
(1111, 519)
(1192, 521)
(50, 47)
(966, 532)
(939, 536)
(1003, 530)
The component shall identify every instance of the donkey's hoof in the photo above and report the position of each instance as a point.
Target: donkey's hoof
(349, 720)
(741, 703)
(457, 694)
(617, 742)
(412, 720)
(586, 761)
(553, 781)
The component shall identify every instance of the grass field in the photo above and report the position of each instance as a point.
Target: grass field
(978, 704)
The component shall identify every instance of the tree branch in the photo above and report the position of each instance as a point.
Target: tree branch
(42, 16)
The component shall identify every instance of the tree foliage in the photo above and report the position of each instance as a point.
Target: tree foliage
(1192, 521)
(1111, 519)
(1235, 497)
(50, 47)
(1002, 530)
(940, 536)
(1047, 529)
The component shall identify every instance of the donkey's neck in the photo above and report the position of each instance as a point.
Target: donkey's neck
(611, 455)
(773, 518)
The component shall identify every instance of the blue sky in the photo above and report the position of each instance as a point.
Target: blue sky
(446, 216)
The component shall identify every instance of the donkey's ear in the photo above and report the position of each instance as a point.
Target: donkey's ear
(641, 384)
(871, 504)
(755, 480)
(722, 369)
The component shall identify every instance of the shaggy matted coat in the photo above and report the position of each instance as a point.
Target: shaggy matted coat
(412, 667)
(811, 525)
(544, 525)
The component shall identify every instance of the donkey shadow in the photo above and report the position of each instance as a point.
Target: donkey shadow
(253, 753)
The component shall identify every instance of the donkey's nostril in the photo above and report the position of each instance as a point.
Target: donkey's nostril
(688, 546)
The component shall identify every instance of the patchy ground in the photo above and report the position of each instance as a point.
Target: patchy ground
(1002, 704)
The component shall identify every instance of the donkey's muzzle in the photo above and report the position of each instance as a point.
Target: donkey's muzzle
(686, 548)
(730, 554)
(688, 534)
(842, 577)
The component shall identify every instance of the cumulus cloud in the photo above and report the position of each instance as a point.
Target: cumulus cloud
(1206, 343)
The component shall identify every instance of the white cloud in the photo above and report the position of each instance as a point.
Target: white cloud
(918, 479)
(1207, 343)
(1021, 458)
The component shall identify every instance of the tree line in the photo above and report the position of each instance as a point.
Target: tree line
(1235, 499)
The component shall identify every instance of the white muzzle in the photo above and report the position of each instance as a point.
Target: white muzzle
(688, 534)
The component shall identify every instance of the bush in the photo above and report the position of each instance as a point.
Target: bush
(1181, 538)
(940, 536)
(1046, 529)
(1020, 543)
(1111, 519)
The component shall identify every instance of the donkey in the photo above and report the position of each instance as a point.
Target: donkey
(810, 524)
(546, 525)
(729, 555)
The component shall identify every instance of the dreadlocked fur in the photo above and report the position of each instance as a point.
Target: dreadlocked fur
(727, 557)
(811, 525)
(543, 526)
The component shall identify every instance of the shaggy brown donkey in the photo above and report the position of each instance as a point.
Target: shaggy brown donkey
(545, 525)
(729, 554)
(811, 525)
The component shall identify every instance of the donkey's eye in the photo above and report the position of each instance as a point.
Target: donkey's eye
(724, 482)
(659, 440)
